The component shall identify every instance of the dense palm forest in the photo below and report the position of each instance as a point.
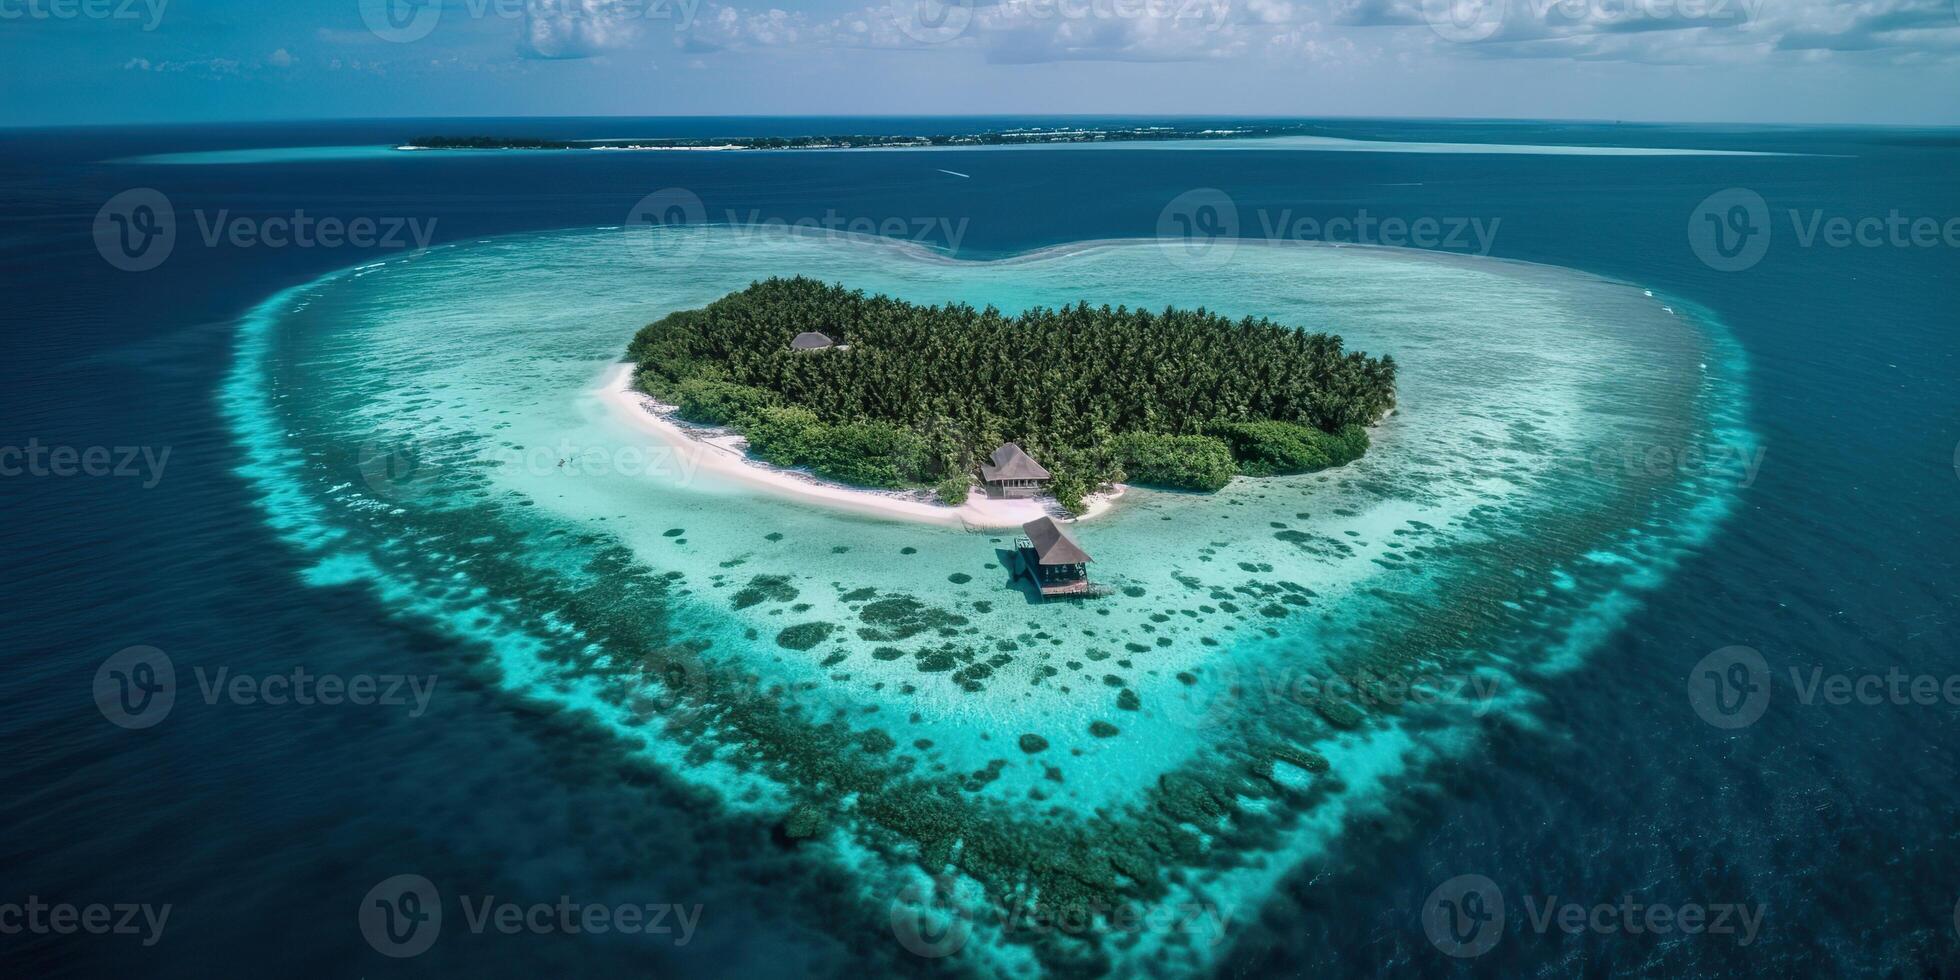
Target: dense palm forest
(918, 395)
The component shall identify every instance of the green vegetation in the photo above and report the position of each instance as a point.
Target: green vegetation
(953, 490)
(1183, 462)
(718, 402)
(1279, 448)
(864, 453)
(917, 396)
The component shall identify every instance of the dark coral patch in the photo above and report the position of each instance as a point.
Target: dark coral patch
(803, 636)
(764, 588)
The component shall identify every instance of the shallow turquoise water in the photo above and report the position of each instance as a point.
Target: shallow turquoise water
(404, 420)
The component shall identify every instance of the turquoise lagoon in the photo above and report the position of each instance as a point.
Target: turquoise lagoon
(405, 422)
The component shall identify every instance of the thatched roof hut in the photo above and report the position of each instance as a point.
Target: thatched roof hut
(1053, 545)
(1011, 472)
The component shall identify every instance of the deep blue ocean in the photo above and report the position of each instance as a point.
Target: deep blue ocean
(262, 826)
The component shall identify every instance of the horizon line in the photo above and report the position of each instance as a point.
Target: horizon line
(270, 121)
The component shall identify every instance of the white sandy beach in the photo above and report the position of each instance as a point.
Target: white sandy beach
(721, 453)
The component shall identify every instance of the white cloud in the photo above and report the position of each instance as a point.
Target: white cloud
(1322, 32)
(1029, 31)
(576, 28)
(1667, 31)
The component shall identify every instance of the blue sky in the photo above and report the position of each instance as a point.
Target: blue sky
(1869, 61)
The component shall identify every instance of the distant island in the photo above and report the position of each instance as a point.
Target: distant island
(862, 141)
(877, 392)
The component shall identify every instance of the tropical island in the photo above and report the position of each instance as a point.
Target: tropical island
(877, 392)
(1028, 136)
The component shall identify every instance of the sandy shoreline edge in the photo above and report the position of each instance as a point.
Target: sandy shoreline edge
(721, 453)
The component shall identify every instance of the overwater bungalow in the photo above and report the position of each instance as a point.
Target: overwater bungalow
(811, 340)
(1057, 565)
(1011, 472)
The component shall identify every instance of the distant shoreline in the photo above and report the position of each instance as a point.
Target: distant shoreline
(1211, 135)
(719, 452)
(865, 141)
